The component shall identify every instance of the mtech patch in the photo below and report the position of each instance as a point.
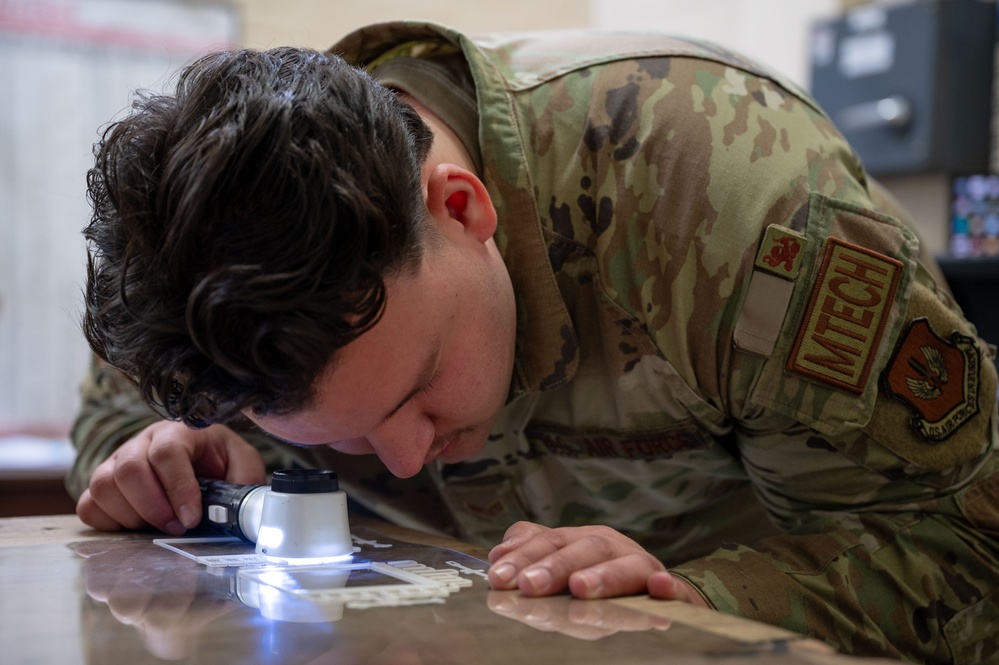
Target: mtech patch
(846, 316)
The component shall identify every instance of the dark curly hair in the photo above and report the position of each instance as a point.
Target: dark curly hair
(243, 229)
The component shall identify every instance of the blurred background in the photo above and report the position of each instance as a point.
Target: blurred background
(910, 83)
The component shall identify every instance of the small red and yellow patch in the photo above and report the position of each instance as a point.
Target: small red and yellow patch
(781, 252)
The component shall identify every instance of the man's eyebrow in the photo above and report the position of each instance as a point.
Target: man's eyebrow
(427, 372)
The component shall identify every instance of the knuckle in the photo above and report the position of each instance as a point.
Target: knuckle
(161, 426)
(168, 432)
(85, 509)
(524, 525)
(522, 529)
(518, 561)
(102, 482)
(604, 532)
(126, 466)
(160, 449)
(600, 543)
(643, 563)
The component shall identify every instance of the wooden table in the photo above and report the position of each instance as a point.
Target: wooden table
(69, 594)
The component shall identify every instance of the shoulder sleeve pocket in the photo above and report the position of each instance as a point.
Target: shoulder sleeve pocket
(845, 313)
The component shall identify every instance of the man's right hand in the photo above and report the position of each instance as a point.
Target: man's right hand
(151, 480)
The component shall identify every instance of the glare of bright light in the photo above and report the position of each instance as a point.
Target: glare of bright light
(270, 536)
(275, 577)
(308, 561)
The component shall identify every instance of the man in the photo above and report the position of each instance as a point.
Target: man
(609, 303)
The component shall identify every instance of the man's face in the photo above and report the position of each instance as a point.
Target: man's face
(428, 381)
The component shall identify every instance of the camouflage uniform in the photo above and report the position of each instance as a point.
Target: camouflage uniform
(725, 335)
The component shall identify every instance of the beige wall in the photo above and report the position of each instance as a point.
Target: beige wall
(318, 23)
(775, 32)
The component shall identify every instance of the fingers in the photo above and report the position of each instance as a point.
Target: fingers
(151, 480)
(515, 536)
(160, 460)
(180, 454)
(623, 576)
(172, 456)
(91, 514)
(108, 503)
(509, 558)
(592, 562)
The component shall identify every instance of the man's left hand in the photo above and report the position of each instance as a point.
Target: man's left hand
(589, 561)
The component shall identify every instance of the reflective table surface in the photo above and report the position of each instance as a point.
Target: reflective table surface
(70, 595)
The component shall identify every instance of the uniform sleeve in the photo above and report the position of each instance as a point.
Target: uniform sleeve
(890, 520)
(785, 290)
(864, 409)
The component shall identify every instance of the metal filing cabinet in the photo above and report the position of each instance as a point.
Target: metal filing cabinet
(910, 85)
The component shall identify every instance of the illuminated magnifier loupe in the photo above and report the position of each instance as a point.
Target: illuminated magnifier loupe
(301, 518)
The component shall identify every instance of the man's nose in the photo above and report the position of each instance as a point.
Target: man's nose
(402, 443)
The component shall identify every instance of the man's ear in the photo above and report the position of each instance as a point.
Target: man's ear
(455, 194)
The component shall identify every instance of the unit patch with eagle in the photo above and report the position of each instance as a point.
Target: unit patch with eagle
(936, 378)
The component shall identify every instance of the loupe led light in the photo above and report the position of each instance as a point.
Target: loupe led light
(300, 519)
